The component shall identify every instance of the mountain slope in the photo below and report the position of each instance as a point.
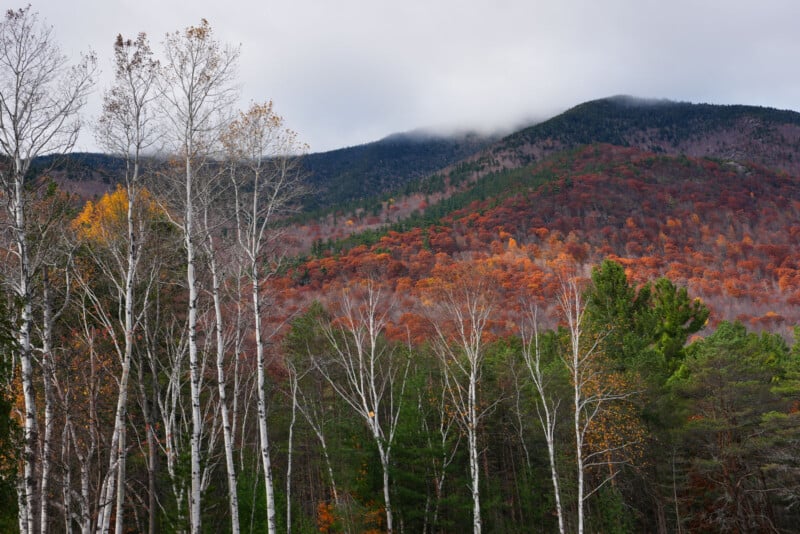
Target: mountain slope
(336, 178)
(765, 136)
(341, 176)
(727, 231)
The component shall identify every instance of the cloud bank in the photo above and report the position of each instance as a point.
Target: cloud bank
(353, 71)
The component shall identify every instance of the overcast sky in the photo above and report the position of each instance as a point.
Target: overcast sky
(345, 72)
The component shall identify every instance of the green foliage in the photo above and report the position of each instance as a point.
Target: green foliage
(644, 330)
(677, 317)
(608, 513)
(252, 499)
(619, 314)
(419, 450)
(739, 392)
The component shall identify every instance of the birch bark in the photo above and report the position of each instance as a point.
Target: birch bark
(40, 98)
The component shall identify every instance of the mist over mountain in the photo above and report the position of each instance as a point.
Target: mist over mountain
(761, 135)
(611, 177)
(364, 171)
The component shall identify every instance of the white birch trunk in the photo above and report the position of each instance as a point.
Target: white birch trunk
(293, 385)
(66, 488)
(262, 403)
(227, 432)
(546, 409)
(472, 444)
(172, 412)
(30, 429)
(195, 384)
(47, 382)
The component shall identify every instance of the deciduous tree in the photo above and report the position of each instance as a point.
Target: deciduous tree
(40, 97)
(267, 180)
(126, 129)
(366, 371)
(459, 302)
(197, 89)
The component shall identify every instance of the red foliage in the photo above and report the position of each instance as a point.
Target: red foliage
(730, 236)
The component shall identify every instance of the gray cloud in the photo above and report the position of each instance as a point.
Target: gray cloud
(352, 71)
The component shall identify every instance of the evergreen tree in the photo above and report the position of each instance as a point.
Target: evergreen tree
(739, 394)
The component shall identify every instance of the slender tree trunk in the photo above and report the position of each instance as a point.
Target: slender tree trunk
(316, 426)
(66, 488)
(385, 465)
(262, 403)
(472, 443)
(227, 432)
(546, 410)
(292, 421)
(578, 453)
(152, 453)
(112, 495)
(551, 457)
(194, 362)
(28, 499)
(47, 379)
(114, 485)
(130, 278)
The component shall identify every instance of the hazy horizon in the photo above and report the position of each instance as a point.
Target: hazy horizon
(352, 72)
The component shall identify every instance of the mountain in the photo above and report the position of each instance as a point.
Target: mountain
(725, 231)
(766, 136)
(366, 171)
(337, 178)
(85, 174)
(437, 289)
(708, 196)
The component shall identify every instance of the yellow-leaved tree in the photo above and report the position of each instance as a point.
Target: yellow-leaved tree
(105, 222)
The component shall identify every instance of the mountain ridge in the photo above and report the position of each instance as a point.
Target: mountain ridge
(763, 135)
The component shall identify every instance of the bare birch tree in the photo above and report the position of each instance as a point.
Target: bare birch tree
(197, 88)
(459, 305)
(267, 180)
(126, 129)
(215, 249)
(366, 371)
(40, 97)
(547, 403)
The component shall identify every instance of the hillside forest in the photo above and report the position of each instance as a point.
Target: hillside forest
(571, 329)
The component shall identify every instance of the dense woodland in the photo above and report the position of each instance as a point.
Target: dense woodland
(601, 339)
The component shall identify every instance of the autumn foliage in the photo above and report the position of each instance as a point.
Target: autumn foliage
(724, 231)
